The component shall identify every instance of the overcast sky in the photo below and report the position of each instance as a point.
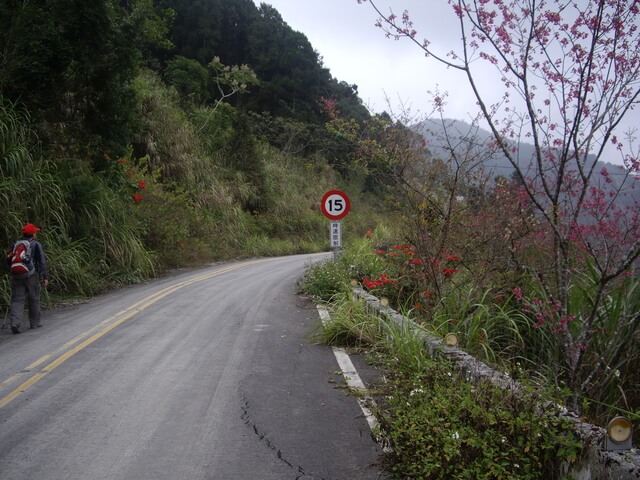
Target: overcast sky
(343, 32)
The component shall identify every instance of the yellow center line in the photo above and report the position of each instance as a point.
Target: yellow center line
(104, 327)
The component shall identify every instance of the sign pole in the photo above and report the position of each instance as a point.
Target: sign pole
(335, 238)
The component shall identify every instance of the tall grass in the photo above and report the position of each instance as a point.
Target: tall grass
(350, 325)
(89, 233)
(29, 190)
(494, 329)
(72, 271)
(104, 219)
(611, 381)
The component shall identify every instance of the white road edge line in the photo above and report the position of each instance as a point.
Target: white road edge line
(354, 382)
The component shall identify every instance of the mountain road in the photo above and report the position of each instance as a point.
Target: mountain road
(199, 374)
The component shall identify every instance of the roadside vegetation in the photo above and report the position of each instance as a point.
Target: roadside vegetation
(435, 421)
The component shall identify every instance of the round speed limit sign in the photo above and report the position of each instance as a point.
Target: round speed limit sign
(335, 204)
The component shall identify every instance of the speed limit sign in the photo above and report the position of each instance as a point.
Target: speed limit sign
(335, 204)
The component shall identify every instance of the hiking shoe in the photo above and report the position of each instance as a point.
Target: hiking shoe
(38, 325)
(15, 329)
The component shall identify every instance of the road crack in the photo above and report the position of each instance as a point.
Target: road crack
(264, 439)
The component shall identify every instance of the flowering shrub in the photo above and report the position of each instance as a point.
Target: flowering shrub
(418, 281)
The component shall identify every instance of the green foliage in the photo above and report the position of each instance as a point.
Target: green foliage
(29, 191)
(71, 63)
(189, 77)
(105, 221)
(292, 137)
(203, 29)
(150, 27)
(441, 426)
(494, 329)
(74, 269)
(292, 78)
(324, 280)
(167, 136)
(610, 372)
(517, 331)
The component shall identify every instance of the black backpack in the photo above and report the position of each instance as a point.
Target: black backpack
(20, 261)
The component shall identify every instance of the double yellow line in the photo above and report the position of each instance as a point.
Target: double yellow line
(75, 345)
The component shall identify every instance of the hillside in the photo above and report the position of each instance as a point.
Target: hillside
(155, 135)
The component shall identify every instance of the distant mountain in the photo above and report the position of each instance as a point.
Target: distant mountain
(441, 136)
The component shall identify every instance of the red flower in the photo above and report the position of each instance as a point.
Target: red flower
(418, 306)
(406, 249)
(142, 184)
(137, 198)
(447, 272)
(385, 279)
(452, 258)
(427, 293)
(380, 252)
(416, 261)
(371, 284)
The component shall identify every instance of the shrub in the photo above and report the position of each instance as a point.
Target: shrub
(440, 426)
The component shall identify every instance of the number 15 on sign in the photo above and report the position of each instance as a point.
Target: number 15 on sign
(335, 204)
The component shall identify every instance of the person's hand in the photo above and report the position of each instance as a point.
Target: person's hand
(45, 282)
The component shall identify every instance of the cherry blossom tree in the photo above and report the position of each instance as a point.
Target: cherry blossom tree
(569, 73)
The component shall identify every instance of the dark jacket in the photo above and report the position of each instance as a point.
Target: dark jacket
(37, 257)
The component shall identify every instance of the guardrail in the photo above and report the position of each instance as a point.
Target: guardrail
(596, 464)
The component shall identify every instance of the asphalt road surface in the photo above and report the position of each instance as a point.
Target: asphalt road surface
(202, 374)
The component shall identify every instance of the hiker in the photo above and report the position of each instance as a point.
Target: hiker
(27, 265)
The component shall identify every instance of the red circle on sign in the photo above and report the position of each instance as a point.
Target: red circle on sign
(335, 204)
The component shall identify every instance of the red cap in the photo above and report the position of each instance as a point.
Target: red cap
(30, 229)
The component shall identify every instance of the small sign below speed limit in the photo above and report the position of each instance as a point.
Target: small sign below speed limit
(335, 204)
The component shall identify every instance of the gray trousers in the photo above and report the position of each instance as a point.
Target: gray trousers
(25, 287)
